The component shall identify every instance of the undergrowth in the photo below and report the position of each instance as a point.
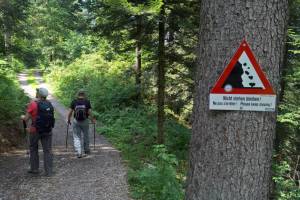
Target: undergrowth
(12, 98)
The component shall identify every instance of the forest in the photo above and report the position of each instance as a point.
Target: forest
(139, 62)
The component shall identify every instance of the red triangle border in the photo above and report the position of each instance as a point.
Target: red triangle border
(244, 47)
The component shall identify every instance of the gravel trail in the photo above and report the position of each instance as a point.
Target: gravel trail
(101, 175)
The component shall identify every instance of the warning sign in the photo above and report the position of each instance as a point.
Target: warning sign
(243, 85)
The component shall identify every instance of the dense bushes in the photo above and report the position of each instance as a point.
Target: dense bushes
(12, 105)
(285, 180)
(12, 102)
(106, 82)
(157, 180)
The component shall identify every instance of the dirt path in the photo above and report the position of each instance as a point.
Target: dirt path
(99, 176)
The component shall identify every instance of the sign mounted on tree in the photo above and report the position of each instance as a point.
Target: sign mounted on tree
(242, 85)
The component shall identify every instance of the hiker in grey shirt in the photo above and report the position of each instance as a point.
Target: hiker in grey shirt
(81, 107)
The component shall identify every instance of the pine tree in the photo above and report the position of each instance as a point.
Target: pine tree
(231, 151)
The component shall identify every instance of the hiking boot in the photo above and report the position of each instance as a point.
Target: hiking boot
(48, 174)
(87, 152)
(79, 155)
(35, 172)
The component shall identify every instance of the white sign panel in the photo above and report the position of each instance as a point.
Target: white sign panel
(248, 102)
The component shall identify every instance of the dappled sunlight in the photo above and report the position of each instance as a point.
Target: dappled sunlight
(20, 153)
(99, 148)
(25, 86)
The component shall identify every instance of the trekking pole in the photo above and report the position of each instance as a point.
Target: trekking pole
(67, 136)
(27, 136)
(94, 136)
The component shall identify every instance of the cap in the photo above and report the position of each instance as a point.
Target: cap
(43, 92)
(81, 92)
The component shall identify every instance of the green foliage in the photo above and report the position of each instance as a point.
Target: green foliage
(105, 82)
(15, 64)
(12, 17)
(285, 180)
(287, 143)
(11, 65)
(136, 7)
(54, 33)
(13, 100)
(157, 180)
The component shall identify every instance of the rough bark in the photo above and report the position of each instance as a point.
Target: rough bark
(231, 151)
(161, 77)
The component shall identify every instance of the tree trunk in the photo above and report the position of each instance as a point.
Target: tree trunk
(7, 40)
(283, 72)
(231, 151)
(138, 64)
(161, 77)
(278, 136)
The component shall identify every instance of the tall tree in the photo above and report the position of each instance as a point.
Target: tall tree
(161, 76)
(138, 63)
(182, 26)
(123, 22)
(231, 151)
(12, 15)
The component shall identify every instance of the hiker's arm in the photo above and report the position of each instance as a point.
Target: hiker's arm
(70, 115)
(26, 117)
(30, 108)
(92, 118)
